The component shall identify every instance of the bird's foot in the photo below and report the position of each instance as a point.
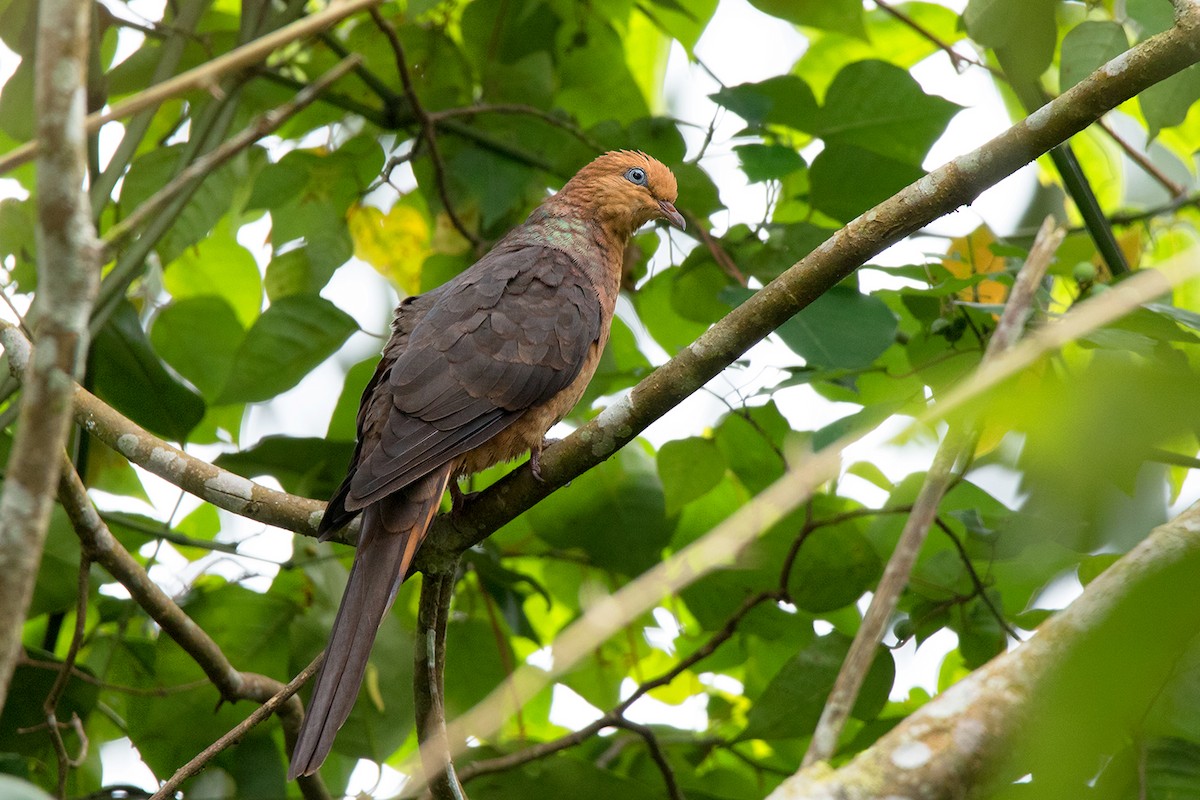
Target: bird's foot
(535, 457)
(458, 498)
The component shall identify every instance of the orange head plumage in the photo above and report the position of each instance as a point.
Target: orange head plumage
(624, 189)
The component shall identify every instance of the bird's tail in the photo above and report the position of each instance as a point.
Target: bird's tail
(392, 530)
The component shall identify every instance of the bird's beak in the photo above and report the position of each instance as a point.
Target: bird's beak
(672, 215)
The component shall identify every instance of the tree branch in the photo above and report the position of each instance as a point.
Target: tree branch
(428, 130)
(204, 76)
(67, 279)
(957, 445)
(992, 724)
(311, 788)
(429, 662)
(101, 546)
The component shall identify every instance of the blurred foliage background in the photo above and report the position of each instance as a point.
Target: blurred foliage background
(243, 318)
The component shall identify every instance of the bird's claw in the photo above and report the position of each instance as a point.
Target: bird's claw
(535, 457)
(458, 498)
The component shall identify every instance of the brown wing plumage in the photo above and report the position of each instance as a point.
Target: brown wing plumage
(507, 336)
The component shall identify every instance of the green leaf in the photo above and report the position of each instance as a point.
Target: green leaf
(791, 704)
(1166, 104)
(615, 513)
(841, 328)
(1150, 16)
(565, 776)
(1087, 47)
(684, 21)
(847, 180)
(27, 690)
(688, 468)
(656, 307)
(844, 16)
(128, 375)
(17, 239)
(477, 666)
(751, 449)
(292, 336)
(307, 467)
(835, 566)
(250, 624)
(218, 267)
(1023, 32)
(1172, 769)
(768, 162)
(198, 336)
(781, 100)
(881, 108)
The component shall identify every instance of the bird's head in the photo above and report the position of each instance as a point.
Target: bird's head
(625, 189)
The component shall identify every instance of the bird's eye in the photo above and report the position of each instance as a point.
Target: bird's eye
(636, 175)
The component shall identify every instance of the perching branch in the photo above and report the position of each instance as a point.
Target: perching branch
(957, 446)
(1002, 720)
(204, 76)
(68, 275)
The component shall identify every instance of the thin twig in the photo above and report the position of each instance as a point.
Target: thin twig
(518, 108)
(263, 125)
(657, 755)
(1176, 190)
(429, 664)
(50, 706)
(428, 129)
(976, 581)
(723, 259)
(956, 59)
(616, 717)
(235, 735)
(955, 447)
(204, 76)
(99, 544)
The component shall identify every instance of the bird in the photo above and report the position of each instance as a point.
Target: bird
(475, 372)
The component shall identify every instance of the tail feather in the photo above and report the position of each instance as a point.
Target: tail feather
(392, 531)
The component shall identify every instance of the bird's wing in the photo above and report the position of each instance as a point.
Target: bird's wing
(505, 337)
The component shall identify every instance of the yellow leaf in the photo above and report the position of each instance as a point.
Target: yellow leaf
(395, 243)
(971, 255)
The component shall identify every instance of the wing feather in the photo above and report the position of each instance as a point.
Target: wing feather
(503, 337)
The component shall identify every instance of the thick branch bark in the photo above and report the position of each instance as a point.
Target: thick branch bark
(1119, 640)
(67, 280)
